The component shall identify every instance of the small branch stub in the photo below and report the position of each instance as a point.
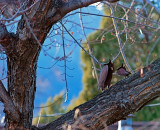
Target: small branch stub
(3, 31)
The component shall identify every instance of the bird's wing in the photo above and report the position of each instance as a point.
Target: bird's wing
(103, 76)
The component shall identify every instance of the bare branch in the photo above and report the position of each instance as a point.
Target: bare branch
(150, 52)
(50, 115)
(101, 15)
(89, 48)
(8, 7)
(125, 29)
(138, 14)
(117, 102)
(119, 39)
(75, 4)
(148, 1)
(65, 70)
(118, 53)
(81, 45)
(12, 15)
(50, 105)
(35, 37)
(3, 31)
(8, 103)
(126, 13)
(5, 36)
(69, 6)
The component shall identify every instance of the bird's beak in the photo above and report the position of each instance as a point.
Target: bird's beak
(111, 68)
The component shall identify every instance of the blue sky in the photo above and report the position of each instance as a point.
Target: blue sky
(50, 82)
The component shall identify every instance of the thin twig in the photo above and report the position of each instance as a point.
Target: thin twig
(49, 104)
(150, 52)
(119, 39)
(118, 53)
(58, 59)
(65, 71)
(89, 48)
(101, 15)
(35, 37)
(81, 45)
(149, 2)
(129, 8)
(19, 12)
(125, 28)
(31, 30)
(39, 117)
(91, 28)
(139, 15)
(50, 115)
(8, 103)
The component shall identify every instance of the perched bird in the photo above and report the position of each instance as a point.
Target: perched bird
(106, 76)
(122, 71)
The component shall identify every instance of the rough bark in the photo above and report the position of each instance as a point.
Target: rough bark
(125, 97)
(22, 52)
(22, 64)
(10, 109)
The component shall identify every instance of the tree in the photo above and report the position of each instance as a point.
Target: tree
(148, 113)
(125, 97)
(108, 48)
(22, 50)
(51, 107)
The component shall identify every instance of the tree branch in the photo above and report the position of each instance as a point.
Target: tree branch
(88, 44)
(150, 52)
(125, 97)
(17, 13)
(8, 103)
(149, 2)
(3, 31)
(119, 39)
(65, 64)
(8, 7)
(75, 4)
(57, 14)
(5, 36)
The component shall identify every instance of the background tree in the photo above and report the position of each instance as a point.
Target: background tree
(107, 48)
(22, 50)
(52, 106)
(104, 46)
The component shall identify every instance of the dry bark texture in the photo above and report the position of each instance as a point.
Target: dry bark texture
(22, 50)
(125, 97)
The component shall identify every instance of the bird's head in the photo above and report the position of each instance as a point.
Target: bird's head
(111, 65)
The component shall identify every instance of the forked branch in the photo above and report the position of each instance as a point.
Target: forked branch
(5, 36)
(8, 103)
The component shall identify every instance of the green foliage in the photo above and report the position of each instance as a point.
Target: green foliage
(136, 51)
(53, 105)
(148, 113)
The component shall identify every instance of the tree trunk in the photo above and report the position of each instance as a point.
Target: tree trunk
(22, 51)
(22, 65)
(116, 103)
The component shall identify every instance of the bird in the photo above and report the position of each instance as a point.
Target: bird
(122, 71)
(106, 76)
